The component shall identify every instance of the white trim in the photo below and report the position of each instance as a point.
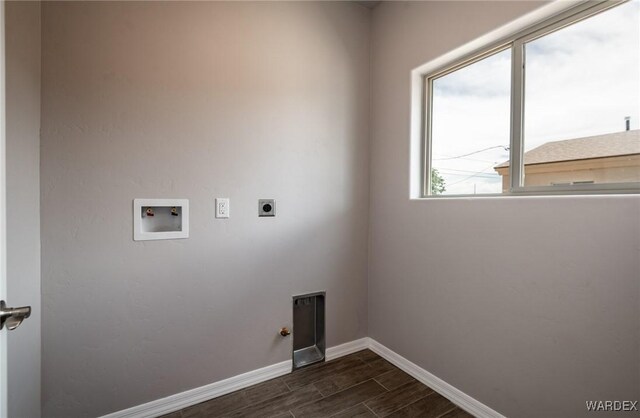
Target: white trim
(495, 37)
(514, 35)
(526, 21)
(347, 348)
(194, 396)
(3, 219)
(464, 401)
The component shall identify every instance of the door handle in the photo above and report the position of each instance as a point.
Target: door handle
(13, 317)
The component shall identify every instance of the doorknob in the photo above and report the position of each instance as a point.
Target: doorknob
(13, 317)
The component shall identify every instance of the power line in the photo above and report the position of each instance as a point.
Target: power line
(470, 159)
(471, 176)
(478, 175)
(445, 169)
(474, 152)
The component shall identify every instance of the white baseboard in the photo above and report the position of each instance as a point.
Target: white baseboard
(464, 401)
(347, 348)
(194, 396)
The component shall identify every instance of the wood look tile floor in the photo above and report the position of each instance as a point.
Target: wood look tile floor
(358, 385)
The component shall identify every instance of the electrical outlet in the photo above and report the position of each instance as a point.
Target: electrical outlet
(266, 207)
(222, 207)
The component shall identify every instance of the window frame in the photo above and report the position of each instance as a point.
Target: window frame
(516, 42)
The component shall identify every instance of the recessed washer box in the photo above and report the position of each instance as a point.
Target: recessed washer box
(160, 219)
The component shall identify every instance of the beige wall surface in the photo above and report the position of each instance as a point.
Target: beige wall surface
(197, 100)
(22, 35)
(529, 305)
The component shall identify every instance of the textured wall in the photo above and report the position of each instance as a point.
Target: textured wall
(22, 34)
(530, 305)
(196, 100)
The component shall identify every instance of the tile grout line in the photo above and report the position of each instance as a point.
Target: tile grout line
(375, 380)
(417, 400)
(378, 382)
(247, 407)
(369, 409)
(356, 384)
(364, 381)
(288, 387)
(346, 388)
(363, 402)
(290, 411)
(403, 406)
(337, 374)
(351, 407)
(243, 392)
(374, 397)
(316, 381)
(446, 412)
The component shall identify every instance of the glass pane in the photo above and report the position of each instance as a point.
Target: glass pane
(470, 127)
(582, 101)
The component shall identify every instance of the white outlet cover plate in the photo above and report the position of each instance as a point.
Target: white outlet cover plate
(222, 207)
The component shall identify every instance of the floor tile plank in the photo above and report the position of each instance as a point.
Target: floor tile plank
(307, 376)
(457, 413)
(361, 384)
(264, 391)
(280, 405)
(367, 356)
(394, 378)
(382, 365)
(398, 398)
(348, 378)
(340, 401)
(237, 400)
(358, 411)
(431, 406)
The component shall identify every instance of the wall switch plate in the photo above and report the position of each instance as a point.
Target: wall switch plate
(222, 207)
(266, 207)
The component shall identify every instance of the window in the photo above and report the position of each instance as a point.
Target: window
(470, 126)
(552, 109)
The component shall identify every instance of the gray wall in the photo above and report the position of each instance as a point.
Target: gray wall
(196, 100)
(22, 34)
(530, 305)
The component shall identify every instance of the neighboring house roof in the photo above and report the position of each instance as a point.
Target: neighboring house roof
(609, 145)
